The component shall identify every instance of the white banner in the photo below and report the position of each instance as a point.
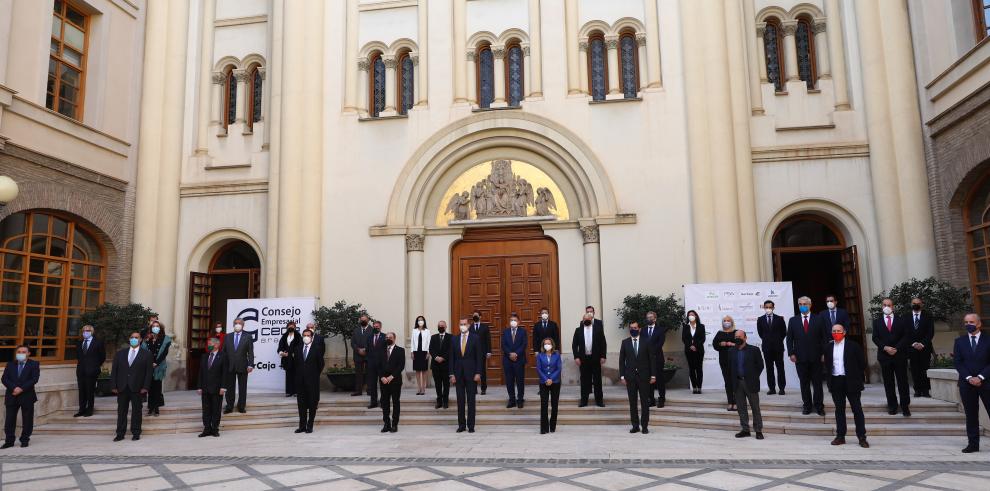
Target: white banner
(744, 302)
(265, 320)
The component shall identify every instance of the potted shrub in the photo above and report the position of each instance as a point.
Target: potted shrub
(670, 314)
(669, 370)
(339, 321)
(115, 323)
(942, 300)
(103, 383)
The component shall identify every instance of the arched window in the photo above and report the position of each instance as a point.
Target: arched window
(804, 37)
(229, 98)
(376, 90)
(254, 106)
(773, 47)
(629, 64)
(406, 89)
(597, 66)
(486, 76)
(51, 272)
(514, 81)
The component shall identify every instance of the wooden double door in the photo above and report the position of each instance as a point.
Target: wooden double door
(503, 271)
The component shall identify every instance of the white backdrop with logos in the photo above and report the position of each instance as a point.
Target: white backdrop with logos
(265, 320)
(744, 302)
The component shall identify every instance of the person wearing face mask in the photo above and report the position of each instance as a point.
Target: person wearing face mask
(484, 333)
(971, 355)
(90, 355)
(19, 378)
(544, 328)
(773, 331)
(807, 335)
(375, 353)
(219, 332)
(747, 366)
(921, 331)
(440, 364)
(419, 351)
(309, 370)
(844, 375)
(890, 335)
(390, 378)
(213, 380)
(589, 348)
(833, 314)
(238, 347)
(514, 347)
(359, 348)
(723, 342)
(130, 378)
(467, 360)
(656, 336)
(287, 345)
(549, 366)
(158, 343)
(693, 337)
(638, 372)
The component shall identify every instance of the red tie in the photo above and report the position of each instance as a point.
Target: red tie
(806, 324)
(889, 328)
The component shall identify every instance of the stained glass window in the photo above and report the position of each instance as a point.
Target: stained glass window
(407, 88)
(256, 95)
(772, 47)
(805, 41)
(231, 102)
(597, 70)
(514, 71)
(486, 78)
(630, 68)
(378, 86)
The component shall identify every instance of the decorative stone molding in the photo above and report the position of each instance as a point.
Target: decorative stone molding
(761, 29)
(414, 242)
(583, 46)
(389, 61)
(363, 65)
(612, 42)
(470, 55)
(241, 75)
(525, 50)
(641, 39)
(789, 27)
(415, 59)
(219, 78)
(819, 26)
(498, 52)
(590, 234)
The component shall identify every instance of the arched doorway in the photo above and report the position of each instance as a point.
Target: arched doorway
(976, 220)
(234, 272)
(811, 252)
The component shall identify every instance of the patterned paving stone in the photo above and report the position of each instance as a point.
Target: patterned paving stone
(844, 482)
(338, 485)
(239, 485)
(725, 480)
(506, 479)
(306, 476)
(150, 484)
(956, 481)
(612, 480)
(211, 475)
(404, 476)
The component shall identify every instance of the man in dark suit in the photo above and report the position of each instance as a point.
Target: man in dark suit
(484, 333)
(440, 364)
(773, 331)
(921, 331)
(514, 346)
(213, 380)
(971, 354)
(844, 374)
(589, 348)
(359, 340)
(891, 338)
(130, 378)
(638, 372)
(390, 378)
(238, 347)
(309, 371)
(19, 378)
(467, 360)
(833, 314)
(656, 336)
(747, 366)
(807, 334)
(375, 353)
(90, 355)
(544, 328)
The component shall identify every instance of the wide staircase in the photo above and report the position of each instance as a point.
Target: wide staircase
(683, 409)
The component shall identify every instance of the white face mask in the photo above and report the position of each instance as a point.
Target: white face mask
(238, 327)
(769, 311)
(513, 323)
(420, 323)
(888, 311)
(307, 339)
(726, 324)
(21, 356)
(692, 318)
(219, 329)
(830, 305)
(544, 316)
(547, 347)
(464, 328)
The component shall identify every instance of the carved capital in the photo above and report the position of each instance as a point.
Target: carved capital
(641, 39)
(363, 65)
(389, 62)
(470, 55)
(761, 29)
(590, 234)
(525, 50)
(219, 78)
(789, 27)
(241, 76)
(261, 72)
(498, 52)
(414, 242)
(611, 42)
(583, 46)
(819, 26)
(415, 59)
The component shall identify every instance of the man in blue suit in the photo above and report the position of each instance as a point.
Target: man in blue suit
(833, 314)
(514, 347)
(19, 378)
(971, 354)
(467, 360)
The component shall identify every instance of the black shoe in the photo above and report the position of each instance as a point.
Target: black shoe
(116, 438)
(80, 413)
(386, 429)
(520, 405)
(634, 430)
(600, 404)
(11, 444)
(772, 392)
(543, 432)
(484, 391)
(582, 403)
(394, 429)
(645, 431)
(299, 430)
(88, 414)
(781, 392)
(661, 403)
(806, 411)
(241, 410)
(228, 410)
(372, 406)
(460, 429)
(863, 443)
(309, 430)
(553, 429)
(24, 444)
(437, 405)
(136, 437)
(205, 434)
(446, 404)
(839, 441)
(355, 394)
(510, 404)
(971, 448)
(892, 411)
(653, 401)
(156, 412)
(470, 430)
(821, 411)
(759, 435)
(743, 434)
(906, 412)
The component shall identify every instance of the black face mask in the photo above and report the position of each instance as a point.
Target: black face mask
(587, 322)
(389, 342)
(738, 341)
(477, 318)
(916, 307)
(442, 329)
(377, 330)
(364, 323)
(634, 332)
(292, 329)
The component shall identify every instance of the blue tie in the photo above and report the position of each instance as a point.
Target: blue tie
(237, 339)
(20, 367)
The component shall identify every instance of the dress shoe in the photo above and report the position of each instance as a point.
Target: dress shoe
(309, 430)
(24, 444)
(839, 441)
(299, 430)
(906, 412)
(386, 429)
(892, 411)
(520, 405)
(600, 404)
(289, 395)
(661, 403)
(582, 404)
(821, 411)
(80, 413)
(781, 392)
(460, 429)
(553, 429)
(157, 412)
(510, 404)
(228, 410)
(204, 434)
(743, 434)
(759, 435)
(241, 410)
(543, 432)
(437, 405)
(806, 411)
(470, 430)
(88, 414)
(355, 394)
(8, 445)
(118, 438)
(730, 409)
(372, 406)
(634, 430)
(863, 443)
(394, 429)
(970, 449)
(484, 391)
(446, 404)
(136, 437)
(645, 431)
(771, 392)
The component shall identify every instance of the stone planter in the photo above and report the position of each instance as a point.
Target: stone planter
(668, 374)
(103, 387)
(345, 381)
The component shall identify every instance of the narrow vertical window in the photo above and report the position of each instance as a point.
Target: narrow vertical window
(256, 91)
(981, 18)
(514, 75)
(804, 38)
(230, 99)
(597, 69)
(67, 60)
(629, 65)
(773, 46)
(486, 77)
(406, 89)
(377, 85)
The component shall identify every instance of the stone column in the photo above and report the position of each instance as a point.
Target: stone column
(390, 86)
(205, 77)
(614, 87)
(216, 101)
(754, 58)
(265, 104)
(414, 275)
(821, 50)
(651, 62)
(592, 265)
(790, 51)
(6, 18)
(527, 70)
(472, 82)
(422, 42)
(570, 36)
(418, 75)
(240, 108)
(837, 54)
(498, 54)
(534, 53)
(351, 85)
(460, 58)
(583, 66)
(643, 64)
(761, 53)
(363, 81)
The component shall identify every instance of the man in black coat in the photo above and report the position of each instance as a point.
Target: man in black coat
(287, 345)
(484, 333)
(309, 370)
(467, 361)
(390, 378)
(544, 328)
(19, 378)
(747, 366)
(971, 354)
(833, 314)
(130, 378)
(359, 339)
(238, 347)
(656, 336)
(90, 355)
(806, 336)
(638, 372)
(773, 331)
(374, 353)
(891, 338)
(440, 364)
(213, 380)
(844, 373)
(589, 348)
(921, 331)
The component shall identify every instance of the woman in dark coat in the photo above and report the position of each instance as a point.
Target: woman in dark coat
(693, 337)
(157, 343)
(287, 351)
(723, 342)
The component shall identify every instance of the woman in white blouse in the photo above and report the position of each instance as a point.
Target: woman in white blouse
(419, 351)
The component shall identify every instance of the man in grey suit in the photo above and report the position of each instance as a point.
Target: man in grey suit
(238, 348)
(359, 344)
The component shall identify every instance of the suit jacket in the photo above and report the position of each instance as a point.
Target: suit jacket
(90, 362)
(359, 339)
(212, 379)
(441, 349)
(136, 376)
(698, 340)
(549, 369)
(238, 360)
(897, 337)
(290, 348)
(639, 366)
(598, 344)
(469, 364)
(393, 365)
(656, 342)
(28, 379)
(841, 317)
(807, 347)
(484, 333)
(971, 363)
(852, 360)
(923, 333)
(540, 333)
(309, 371)
(520, 346)
(752, 364)
(375, 351)
(772, 334)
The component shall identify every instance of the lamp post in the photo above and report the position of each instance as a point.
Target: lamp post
(8, 191)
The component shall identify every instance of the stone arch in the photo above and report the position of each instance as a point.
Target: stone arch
(627, 24)
(481, 37)
(372, 47)
(204, 250)
(772, 12)
(251, 60)
(513, 34)
(594, 26)
(402, 45)
(226, 63)
(806, 9)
